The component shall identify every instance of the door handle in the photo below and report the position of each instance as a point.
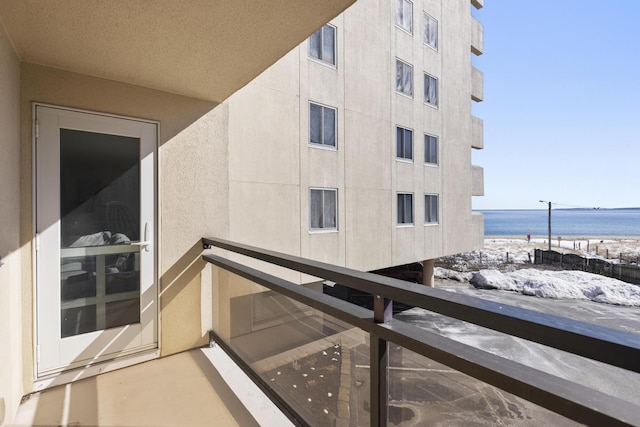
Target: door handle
(146, 242)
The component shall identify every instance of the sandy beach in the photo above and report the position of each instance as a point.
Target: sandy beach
(515, 251)
(606, 247)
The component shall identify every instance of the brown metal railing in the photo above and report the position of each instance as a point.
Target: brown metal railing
(582, 404)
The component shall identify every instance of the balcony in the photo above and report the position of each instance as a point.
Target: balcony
(477, 84)
(477, 37)
(324, 361)
(171, 391)
(478, 181)
(477, 133)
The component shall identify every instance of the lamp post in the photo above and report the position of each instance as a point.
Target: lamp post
(543, 201)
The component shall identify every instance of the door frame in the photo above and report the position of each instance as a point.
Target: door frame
(53, 379)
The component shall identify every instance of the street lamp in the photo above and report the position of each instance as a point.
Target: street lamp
(543, 201)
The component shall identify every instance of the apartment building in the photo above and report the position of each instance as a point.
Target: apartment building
(355, 147)
(129, 131)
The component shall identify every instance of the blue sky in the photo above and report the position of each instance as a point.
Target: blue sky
(561, 105)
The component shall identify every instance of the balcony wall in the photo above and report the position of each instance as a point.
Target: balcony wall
(11, 327)
(478, 230)
(477, 37)
(478, 181)
(477, 133)
(477, 84)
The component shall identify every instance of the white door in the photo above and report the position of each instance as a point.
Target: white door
(96, 290)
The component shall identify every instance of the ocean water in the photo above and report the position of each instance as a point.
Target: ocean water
(564, 222)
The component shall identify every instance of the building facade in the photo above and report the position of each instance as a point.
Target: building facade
(151, 133)
(355, 147)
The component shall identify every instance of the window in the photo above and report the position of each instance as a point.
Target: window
(322, 125)
(404, 143)
(405, 208)
(404, 15)
(431, 149)
(322, 44)
(430, 208)
(430, 90)
(430, 32)
(404, 78)
(323, 209)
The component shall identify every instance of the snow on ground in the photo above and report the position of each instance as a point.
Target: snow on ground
(500, 265)
(560, 285)
(443, 273)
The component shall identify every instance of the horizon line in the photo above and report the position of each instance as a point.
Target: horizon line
(544, 209)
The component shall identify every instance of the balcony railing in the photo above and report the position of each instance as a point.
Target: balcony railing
(319, 329)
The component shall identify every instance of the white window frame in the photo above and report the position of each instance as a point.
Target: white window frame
(323, 227)
(427, 27)
(429, 78)
(321, 57)
(400, 201)
(402, 6)
(322, 144)
(402, 144)
(428, 152)
(428, 200)
(402, 68)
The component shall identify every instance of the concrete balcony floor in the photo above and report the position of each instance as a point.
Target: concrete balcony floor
(201, 387)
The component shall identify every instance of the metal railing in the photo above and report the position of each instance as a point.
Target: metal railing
(577, 402)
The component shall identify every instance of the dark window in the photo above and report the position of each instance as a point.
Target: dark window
(405, 208)
(404, 143)
(322, 44)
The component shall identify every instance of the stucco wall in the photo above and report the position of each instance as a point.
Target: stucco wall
(192, 189)
(272, 165)
(11, 360)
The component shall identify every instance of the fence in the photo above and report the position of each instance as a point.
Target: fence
(629, 273)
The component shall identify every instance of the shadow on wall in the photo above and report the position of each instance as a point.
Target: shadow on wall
(182, 304)
(57, 87)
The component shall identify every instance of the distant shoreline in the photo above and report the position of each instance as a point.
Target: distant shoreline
(577, 223)
(556, 209)
(554, 237)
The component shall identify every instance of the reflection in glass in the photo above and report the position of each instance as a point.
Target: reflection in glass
(78, 320)
(99, 188)
(100, 217)
(317, 363)
(425, 392)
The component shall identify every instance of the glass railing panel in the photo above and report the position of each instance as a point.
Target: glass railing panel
(425, 392)
(313, 361)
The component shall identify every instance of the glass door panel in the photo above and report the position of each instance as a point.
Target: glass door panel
(99, 209)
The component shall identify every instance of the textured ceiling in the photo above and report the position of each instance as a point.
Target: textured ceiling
(202, 49)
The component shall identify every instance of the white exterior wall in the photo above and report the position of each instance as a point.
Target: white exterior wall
(272, 166)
